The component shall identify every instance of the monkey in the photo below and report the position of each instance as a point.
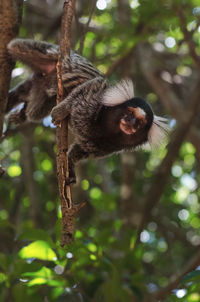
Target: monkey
(104, 118)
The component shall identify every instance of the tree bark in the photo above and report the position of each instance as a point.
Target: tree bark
(10, 19)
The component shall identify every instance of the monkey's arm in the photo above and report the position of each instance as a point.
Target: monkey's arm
(86, 94)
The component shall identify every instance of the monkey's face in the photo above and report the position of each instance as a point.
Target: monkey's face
(140, 123)
(135, 118)
(132, 121)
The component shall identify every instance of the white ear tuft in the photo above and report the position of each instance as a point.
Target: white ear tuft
(119, 93)
(158, 131)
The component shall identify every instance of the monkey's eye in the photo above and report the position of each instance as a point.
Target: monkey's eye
(130, 118)
(138, 123)
(140, 116)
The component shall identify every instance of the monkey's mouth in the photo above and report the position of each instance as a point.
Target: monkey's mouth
(127, 127)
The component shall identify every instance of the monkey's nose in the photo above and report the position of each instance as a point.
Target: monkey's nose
(137, 123)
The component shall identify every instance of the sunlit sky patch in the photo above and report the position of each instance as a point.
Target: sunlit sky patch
(59, 269)
(183, 214)
(189, 182)
(17, 72)
(101, 4)
(144, 236)
(196, 10)
(170, 42)
(69, 255)
(180, 293)
(47, 122)
(134, 3)
(152, 287)
(177, 171)
(172, 123)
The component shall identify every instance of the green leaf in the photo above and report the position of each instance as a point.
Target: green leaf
(44, 272)
(2, 278)
(43, 276)
(14, 170)
(37, 281)
(38, 249)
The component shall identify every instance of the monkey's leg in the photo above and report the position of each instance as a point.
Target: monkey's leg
(37, 110)
(18, 94)
(39, 55)
(17, 117)
(75, 154)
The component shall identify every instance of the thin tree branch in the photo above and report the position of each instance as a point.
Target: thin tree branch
(28, 166)
(119, 61)
(188, 36)
(67, 207)
(175, 280)
(85, 30)
(148, 62)
(149, 65)
(163, 172)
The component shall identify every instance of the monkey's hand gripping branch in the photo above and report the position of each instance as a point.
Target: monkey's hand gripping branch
(67, 207)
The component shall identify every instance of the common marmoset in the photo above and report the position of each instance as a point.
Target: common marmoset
(103, 118)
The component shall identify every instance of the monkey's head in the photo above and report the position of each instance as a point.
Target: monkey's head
(135, 117)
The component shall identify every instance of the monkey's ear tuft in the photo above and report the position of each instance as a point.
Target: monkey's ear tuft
(158, 131)
(119, 93)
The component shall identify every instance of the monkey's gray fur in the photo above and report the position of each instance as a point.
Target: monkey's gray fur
(104, 119)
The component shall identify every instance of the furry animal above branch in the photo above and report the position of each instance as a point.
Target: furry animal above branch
(104, 118)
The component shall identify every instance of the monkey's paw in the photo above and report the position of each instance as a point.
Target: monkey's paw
(70, 180)
(58, 114)
(16, 118)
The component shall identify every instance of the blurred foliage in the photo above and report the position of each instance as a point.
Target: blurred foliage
(104, 263)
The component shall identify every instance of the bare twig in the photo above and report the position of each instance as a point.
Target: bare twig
(62, 131)
(119, 61)
(85, 30)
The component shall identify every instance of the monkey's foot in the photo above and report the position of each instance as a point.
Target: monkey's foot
(16, 118)
(70, 180)
(58, 114)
